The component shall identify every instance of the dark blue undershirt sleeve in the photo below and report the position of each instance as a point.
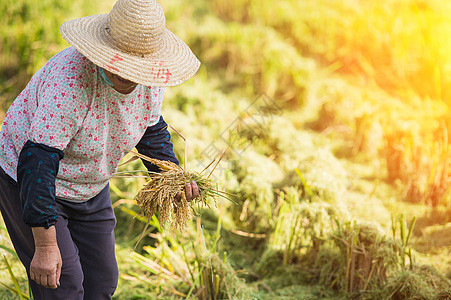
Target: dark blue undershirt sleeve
(36, 173)
(156, 143)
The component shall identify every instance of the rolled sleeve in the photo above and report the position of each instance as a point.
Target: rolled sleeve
(36, 173)
(156, 143)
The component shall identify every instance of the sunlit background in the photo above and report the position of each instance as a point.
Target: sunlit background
(338, 111)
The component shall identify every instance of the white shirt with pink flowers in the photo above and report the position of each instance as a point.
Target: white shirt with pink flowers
(69, 106)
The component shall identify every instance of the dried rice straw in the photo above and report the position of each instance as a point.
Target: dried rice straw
(164, 193)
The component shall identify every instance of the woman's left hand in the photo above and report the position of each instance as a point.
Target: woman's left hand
(191, 191)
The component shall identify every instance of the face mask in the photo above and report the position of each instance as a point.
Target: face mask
(102, 73)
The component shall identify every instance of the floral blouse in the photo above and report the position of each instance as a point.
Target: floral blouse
(68, 106)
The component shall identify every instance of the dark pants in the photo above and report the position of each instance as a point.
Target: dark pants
(85, 235)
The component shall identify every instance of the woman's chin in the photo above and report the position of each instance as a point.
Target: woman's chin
(127, 89)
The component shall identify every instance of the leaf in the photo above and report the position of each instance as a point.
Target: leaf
(133, 158)
(304, 183)
(117, 191)
(9, 250)
(186, 145)
(142, 156)
(13, 278)
(14, 291)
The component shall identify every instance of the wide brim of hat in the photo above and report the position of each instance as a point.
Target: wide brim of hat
(172, 64)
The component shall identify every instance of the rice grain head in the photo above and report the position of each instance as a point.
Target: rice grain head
(159, 195)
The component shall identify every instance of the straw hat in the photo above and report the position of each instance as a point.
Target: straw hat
(132, 41)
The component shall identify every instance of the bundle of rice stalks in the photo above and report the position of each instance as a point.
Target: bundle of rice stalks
(164, 193)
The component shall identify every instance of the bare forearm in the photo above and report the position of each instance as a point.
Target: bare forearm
(44, 237)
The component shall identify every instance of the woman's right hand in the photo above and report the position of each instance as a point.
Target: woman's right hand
(45, 267)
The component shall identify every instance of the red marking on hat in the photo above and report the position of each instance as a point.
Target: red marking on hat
(116, 58)
(111, 68)
(158, 74)
(168, 75)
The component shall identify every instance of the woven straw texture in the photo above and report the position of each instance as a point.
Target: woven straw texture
(132, 41)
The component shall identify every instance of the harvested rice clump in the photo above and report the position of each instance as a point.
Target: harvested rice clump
(159, 195)
(164, 194)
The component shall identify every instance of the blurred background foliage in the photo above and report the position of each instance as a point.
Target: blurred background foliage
(338, 114)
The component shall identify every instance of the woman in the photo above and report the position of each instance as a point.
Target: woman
(64, 135)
